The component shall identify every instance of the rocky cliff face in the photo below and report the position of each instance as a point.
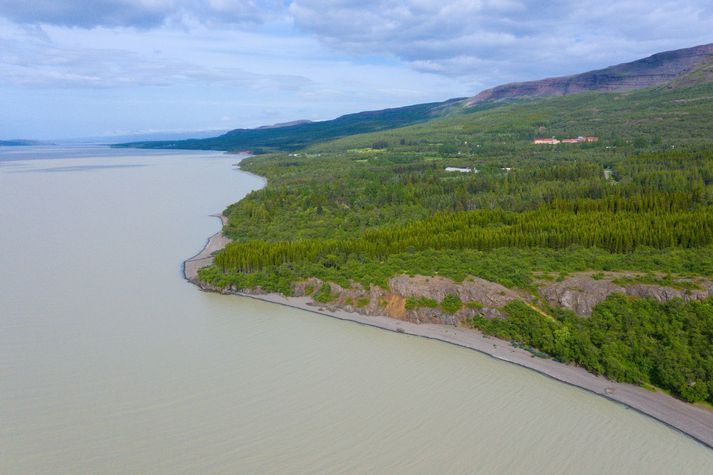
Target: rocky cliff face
(658, 69)
(391, 301)
(581, 292)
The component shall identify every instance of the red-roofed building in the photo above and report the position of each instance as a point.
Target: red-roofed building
(545, 140)
(554, 141)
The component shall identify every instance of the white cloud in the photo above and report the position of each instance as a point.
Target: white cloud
(136, 13)
(485, 40)
(509, 39)
(29, 57)
(62, 82)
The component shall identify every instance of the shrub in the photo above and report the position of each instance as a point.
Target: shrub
(451, 303)
(324, 294)
(412, 303)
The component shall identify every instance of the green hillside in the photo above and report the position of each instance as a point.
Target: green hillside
(663, 115)
(298, 136)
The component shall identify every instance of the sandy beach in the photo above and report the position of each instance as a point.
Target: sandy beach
(694, 421)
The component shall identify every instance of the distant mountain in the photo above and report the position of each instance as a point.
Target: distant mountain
(658, 69)
(21, 143)
(143, 137)
(284, 124)
(297, 135)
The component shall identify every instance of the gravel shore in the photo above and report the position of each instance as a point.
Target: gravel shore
(205, 257)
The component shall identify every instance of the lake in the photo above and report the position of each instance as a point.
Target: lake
(110, 362)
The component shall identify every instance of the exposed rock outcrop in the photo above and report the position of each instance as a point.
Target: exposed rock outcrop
(473, 289)
(485, 298)
(582, 292)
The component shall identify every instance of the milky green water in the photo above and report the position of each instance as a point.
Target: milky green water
(111, 363)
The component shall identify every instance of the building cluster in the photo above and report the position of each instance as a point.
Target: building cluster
(554, 141)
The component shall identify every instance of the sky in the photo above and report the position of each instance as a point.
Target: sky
(81, 68)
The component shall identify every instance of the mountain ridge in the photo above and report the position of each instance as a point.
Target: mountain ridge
(299, 134)
(657, 69)
(22, 143)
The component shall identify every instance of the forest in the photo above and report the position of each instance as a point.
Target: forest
(367, 207)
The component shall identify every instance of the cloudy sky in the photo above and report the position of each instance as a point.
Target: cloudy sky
(77, 68)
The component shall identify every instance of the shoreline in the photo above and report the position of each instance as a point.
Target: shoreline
(216, 242)
(688, 419)
(693, 421)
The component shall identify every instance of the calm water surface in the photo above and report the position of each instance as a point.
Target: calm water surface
(111, 363)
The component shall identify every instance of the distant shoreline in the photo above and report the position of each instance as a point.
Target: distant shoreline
(693, 421)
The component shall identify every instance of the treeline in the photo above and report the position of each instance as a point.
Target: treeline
(512, 267)
(616, 231)
(657, 202)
